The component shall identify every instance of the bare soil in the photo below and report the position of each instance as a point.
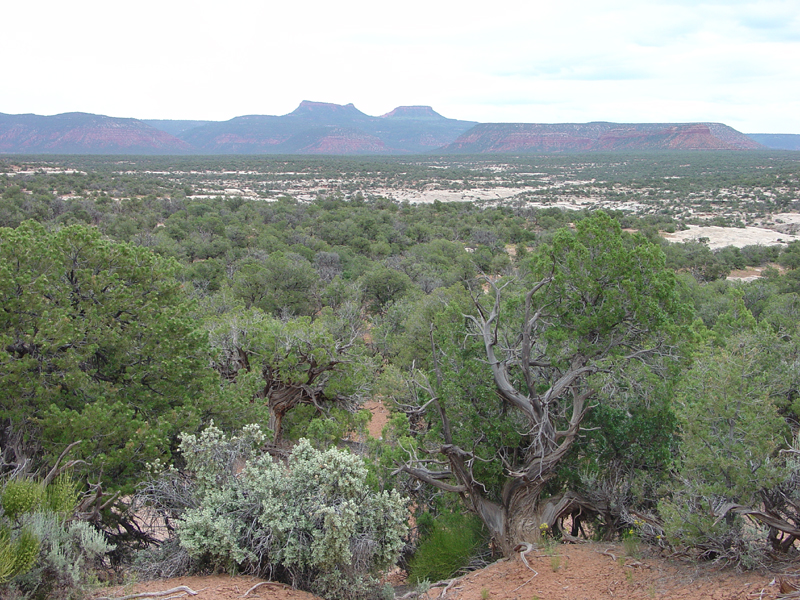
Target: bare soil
(565, 572)
(594, 572)
(719, 237)
(380, 416)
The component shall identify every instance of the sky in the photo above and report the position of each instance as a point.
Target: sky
(734, 62)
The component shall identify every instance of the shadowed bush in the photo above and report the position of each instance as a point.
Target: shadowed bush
(447, 547)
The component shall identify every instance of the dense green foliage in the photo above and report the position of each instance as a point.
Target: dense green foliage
(548, 344)
(96, 341)
(145, 298)
(450, 541)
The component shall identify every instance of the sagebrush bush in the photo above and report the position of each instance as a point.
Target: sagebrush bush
(68, 550)
(312, 521)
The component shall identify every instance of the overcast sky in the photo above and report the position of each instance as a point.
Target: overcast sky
(735, 62)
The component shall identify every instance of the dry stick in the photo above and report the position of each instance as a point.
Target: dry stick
(55, 470)
(523, 549)
(414, 593)
(526, 583)
(786, 587)
(449, 585)
(180, 588)
(607, 553)
(258, 585)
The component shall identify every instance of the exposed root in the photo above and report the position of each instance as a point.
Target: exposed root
(523, 549)
(447, 587)
(180, 588)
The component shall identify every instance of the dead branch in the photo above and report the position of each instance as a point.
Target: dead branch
(55, 471)
(526, 583)
(766, 517)
(447, 588)
(259, 584)
(608, 552)
(431, 478)
(180, 588)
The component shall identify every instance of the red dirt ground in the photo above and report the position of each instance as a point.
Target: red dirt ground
(380, 416)
(587, 572)
(569, 572)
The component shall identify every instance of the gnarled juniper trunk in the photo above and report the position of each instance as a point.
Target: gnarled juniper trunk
(522, 515)
(283, 398)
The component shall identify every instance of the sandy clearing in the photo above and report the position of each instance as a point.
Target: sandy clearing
(429, 196)
(719, 237)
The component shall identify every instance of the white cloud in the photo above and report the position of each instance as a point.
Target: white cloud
(514, 60)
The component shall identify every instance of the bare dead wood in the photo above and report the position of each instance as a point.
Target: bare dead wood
(260, 583)
(180, 588)
(607, 552)
(766, 517)
(519, 587)
(787, 587)
(636, 564)
(55, 471)
(523, 549)
(447, 583)
(447, 588)
(109, 502)
(432, 478)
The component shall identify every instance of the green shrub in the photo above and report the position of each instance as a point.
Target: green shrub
(42, 555)
(61, 496)
(21, 496)
(7, 557)
(312, 521)
(17, 556)
(731, 436)
(19, 547)
(451, 540)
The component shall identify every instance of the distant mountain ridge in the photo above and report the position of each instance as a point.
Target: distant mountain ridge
(174, 127)
(777, 141)
(412, 112)
(84, 133)
(329, 129)
(325, 128)
(495, 138)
